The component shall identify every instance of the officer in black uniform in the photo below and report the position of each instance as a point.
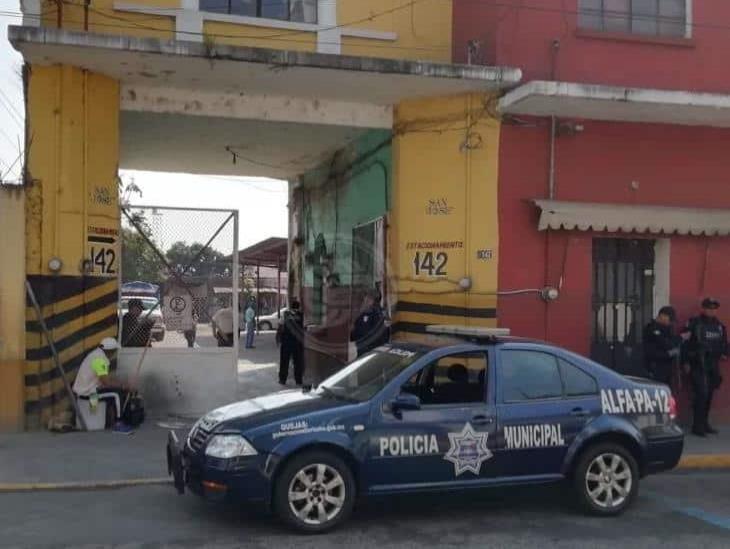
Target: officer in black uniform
(661, 345)
(370, 330)
(706, 347)
(290, 335)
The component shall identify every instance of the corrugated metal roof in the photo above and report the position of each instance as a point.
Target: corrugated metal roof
(587, 216)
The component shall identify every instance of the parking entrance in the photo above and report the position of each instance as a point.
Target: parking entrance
(179, 279)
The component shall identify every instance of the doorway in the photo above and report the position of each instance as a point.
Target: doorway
(623, 301)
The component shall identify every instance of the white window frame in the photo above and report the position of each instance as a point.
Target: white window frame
(189, 20)
(688, 5)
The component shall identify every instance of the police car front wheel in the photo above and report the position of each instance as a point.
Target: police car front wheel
(315, 492)
(606, 479)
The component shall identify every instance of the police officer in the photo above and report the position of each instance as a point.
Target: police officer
(661, 345)
(290, 335)
(370, 330)
(706, 346)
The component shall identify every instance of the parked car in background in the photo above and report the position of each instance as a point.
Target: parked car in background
(271, 321)
(148, 303)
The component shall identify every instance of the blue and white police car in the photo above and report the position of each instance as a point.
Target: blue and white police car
(477, 409)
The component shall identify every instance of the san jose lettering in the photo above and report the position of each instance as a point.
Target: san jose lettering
(634, 401)
(409, 445)
(533, 436)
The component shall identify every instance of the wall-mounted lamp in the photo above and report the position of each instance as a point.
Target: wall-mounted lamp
(55, 265)
(465, 283)
(549, 293)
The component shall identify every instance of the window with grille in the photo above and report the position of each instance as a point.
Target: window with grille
(644, 17)
(300, 11)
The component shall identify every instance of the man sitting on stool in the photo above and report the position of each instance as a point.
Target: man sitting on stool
(95, 382)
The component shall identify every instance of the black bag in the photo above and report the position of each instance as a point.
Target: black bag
(133, 414)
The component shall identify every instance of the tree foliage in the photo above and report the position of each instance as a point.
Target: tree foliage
(139, 260)
(194, 260)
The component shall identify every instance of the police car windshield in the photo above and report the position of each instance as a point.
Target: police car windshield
(365, 377)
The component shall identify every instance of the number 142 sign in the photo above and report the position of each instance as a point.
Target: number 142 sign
(430, 264)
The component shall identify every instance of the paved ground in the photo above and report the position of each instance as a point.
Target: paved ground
(674, 510)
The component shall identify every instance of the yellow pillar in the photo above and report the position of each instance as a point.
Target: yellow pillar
(444, 234)
(72, 221)
(12, 307)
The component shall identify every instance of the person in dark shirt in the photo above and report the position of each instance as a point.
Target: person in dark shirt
(661, 345)
(290, 336)
(370, 330)
(136, 331)
(707, 345)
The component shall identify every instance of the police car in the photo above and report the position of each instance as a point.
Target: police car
(477, 409)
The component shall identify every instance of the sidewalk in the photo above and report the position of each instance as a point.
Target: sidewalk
(712, 452)
(44, 460)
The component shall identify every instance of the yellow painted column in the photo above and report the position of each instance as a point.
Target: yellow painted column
(72, 220)
(12, 307)
(444, 234)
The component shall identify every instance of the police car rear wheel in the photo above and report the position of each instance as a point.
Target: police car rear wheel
(315, 492)
(607, 479)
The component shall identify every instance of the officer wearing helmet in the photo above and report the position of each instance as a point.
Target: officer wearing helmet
(95, 382)
(661, 345)
(706, 346)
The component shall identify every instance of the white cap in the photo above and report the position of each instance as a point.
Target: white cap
(109, 344)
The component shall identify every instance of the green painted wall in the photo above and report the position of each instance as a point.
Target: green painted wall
(349, 190)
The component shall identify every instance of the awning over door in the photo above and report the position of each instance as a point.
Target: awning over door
(599, 102)
(587, 216)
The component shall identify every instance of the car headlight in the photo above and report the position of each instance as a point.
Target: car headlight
(229, 446)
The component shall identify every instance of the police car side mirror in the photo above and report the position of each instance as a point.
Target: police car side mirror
(405, 401)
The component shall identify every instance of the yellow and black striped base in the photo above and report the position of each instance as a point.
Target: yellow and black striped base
(79, 311)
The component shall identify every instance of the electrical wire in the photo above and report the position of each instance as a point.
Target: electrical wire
(8, 105)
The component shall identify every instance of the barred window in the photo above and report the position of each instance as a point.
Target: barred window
(300, 11)
(645, 17)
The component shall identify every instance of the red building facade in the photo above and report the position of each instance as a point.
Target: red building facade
(614, 165)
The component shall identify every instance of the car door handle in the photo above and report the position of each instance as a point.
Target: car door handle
(579, 412)
(482, 420)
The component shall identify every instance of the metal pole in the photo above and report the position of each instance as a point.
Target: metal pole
(551, 175)
(52, 345)
(235, 300)
(258, 291)
(278, 288)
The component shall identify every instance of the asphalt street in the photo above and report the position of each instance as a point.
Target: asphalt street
(674, 510)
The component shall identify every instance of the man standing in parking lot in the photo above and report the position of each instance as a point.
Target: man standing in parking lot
(250, 319)
(706, 347)
(290, 335)
(136, 331)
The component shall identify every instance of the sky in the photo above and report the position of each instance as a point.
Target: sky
(262, 203)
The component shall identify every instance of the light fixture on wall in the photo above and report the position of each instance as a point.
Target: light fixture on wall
(55, 265)
(465, 283)
(549, 293)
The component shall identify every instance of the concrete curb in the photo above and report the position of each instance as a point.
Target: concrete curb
(704, 461)
(688, 462)
(86, 485)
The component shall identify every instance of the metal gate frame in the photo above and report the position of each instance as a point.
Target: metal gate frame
(178, 276)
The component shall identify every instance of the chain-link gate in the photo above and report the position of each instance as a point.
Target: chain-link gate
(179, 278)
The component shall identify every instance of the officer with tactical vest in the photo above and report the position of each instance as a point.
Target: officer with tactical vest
(662, 346)
(706, 346)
